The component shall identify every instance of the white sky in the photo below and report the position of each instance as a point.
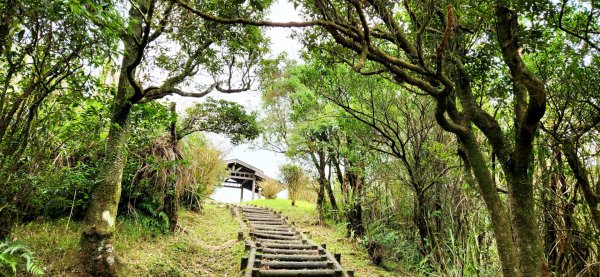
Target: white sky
(268, 161)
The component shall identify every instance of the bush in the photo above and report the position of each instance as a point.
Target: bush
(203, 170)
(295, 180)
(270, 188)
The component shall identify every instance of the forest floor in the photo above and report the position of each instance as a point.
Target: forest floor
(205, 245)
(354, 255)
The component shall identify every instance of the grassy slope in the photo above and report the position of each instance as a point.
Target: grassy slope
(207, 246)
(354, 256)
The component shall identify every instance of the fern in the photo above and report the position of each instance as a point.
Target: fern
(155, 217)
(12, 256)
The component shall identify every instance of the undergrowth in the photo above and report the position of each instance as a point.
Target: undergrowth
(15, 258)
(205, 245)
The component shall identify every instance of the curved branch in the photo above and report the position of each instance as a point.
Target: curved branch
(583, 38)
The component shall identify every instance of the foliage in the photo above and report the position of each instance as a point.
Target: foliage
(295, 180)
(203, 170)
(270, 188)
(222, 117)
(310, 192)
(15, 256)
(151, 215)
(157, 170)
(47, 51)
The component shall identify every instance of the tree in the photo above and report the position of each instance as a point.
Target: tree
(571, 127)
(222, 117)
(46, 48)
(434, 56)
(204, 45)
(296, 126)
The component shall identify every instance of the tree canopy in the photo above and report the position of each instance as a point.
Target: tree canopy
(460, 136)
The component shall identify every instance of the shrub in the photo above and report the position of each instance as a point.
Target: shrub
(270, 188)
(203, 170)
(295, 180)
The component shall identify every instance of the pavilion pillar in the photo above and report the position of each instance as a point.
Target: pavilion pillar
(253, 186)
(241, 193)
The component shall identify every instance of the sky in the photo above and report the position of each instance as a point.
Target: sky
(268, 161)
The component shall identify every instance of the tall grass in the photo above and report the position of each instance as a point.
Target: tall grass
(203, 170)
(270, 188)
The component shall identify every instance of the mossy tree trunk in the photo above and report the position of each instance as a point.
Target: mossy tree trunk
(319, 161)
(98, 253)
(515, 226)
(592, 198)
(355, 226)
(171, 200)
(97, 249)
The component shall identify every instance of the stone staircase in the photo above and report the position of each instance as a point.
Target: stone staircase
(276, 248)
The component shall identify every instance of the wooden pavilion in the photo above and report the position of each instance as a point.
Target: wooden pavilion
(244, 176)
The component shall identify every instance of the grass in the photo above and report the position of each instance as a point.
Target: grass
(206, 246)
(354, 255)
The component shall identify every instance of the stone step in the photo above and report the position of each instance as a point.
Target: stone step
(280, 233)
(287, 246)
(263, 218)
(280, 250)
(293, 265)
(267, 250)
(289, 272)
(258, 214)
(285, 257)
(290, 241)
(267, 222)
(255, 210)
(273, 228)
(271, 236)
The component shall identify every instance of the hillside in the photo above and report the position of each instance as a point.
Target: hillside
(205, 245)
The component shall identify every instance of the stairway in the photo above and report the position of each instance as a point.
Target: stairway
(275, 248)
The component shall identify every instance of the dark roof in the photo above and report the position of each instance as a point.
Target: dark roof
(248, 167)
(241, 166)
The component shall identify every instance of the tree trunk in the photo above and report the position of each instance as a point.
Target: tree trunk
(171, 199)
(500, 222)
(319, 162)
(550, 206)
(320, 202)
(420, 221)
(579, 170)
(355, 225)
(332, 201)
(97, 251)
(524, 222)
